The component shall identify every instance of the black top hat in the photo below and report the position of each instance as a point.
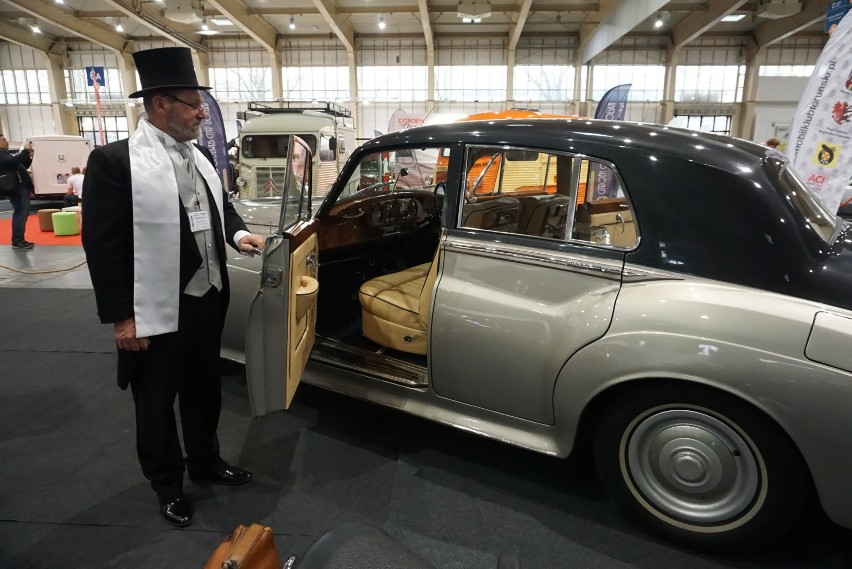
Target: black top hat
(165, 68)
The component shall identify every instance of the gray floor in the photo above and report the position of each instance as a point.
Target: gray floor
(42, 267)
(71, 494)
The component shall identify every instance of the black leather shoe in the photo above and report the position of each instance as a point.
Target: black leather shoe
(177, 512)
(224, 474)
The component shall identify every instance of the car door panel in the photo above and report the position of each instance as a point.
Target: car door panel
(280, 331)
(510, 317)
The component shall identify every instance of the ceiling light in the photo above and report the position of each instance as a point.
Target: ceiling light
(35, 28)
(472, 11)
(292, 23)
(205, 29)
(118, 27)
(60, 1)
(381, 22)
(658, 23)
(733, 17)
(221, 21)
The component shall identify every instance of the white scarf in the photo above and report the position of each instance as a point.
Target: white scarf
(156, 229)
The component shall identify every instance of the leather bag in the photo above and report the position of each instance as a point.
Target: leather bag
(251, 547)
(9, 182)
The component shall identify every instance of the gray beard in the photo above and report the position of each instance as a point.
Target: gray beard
(184, 134)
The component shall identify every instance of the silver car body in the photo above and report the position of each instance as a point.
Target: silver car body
(524, 342)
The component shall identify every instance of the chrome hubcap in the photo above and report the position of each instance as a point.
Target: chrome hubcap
(692, 466)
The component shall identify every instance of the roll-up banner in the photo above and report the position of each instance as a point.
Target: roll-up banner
(213, 138)
(820, 145)
(611, 108)
(613, 103)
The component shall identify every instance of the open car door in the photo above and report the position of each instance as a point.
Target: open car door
(280, 331)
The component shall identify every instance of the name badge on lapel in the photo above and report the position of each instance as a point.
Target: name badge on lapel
(199, 221)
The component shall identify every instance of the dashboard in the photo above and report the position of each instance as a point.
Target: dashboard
(361, 219)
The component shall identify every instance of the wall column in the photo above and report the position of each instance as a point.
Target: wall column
(667, 111)
(127, 69)
(755, 57)
(275, 64)
(63, 120)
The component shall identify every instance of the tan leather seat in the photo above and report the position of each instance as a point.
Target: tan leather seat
(544, 215)
(395, 307)
(496, 214)
(614, 216)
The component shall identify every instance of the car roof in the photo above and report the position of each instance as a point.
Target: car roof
(579, 135)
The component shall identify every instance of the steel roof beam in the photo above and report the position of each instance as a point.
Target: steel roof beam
(249, 22)
(776, 30)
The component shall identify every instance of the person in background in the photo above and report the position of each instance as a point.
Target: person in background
(772, 142)
(20, 197)
(70, 199)
(156, 225)
(75, 182)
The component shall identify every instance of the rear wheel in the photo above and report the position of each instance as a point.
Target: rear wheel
(700, 467)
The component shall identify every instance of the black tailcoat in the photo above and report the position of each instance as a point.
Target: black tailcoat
(108, 238)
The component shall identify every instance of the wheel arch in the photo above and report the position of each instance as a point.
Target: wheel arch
(657, 397)
(807, 401)
(592, 412)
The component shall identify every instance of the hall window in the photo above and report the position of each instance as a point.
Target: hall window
(646, 81)
(786, 70)
(316, 83)
(470, 82)
(241, 83)
(709, 83)
(115, 128)
(24, 87)
(543, 82)
(392, 82)
(717, 124)
(78, 89)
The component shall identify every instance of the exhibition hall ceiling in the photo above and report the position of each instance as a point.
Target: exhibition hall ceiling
(272, 23)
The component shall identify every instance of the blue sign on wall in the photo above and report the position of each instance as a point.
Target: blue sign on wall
(93, 73)
(836, 10)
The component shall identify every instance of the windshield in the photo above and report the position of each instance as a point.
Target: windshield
(271, 145)
(393, 171)
(824, 223)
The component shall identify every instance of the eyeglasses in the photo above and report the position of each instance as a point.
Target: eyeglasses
(197, 108)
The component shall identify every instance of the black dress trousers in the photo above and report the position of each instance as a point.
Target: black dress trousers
(182, 364)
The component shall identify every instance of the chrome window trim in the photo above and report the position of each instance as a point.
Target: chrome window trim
(576, 166)
(572, 262)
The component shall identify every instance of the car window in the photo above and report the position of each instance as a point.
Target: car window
(328, 148)
(393, 171)
(271, 145)
(296, 202)
(531, 192)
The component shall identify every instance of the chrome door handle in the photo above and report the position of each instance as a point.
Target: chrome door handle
(311, 261)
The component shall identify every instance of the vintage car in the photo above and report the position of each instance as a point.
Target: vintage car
(676, 302)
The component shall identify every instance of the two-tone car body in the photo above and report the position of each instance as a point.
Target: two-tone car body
(679, 301)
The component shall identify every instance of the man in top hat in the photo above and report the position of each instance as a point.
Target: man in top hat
(154, 233)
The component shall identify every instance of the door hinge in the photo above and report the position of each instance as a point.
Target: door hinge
(271, 277)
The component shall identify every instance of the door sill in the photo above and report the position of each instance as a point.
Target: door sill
(337, 354)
